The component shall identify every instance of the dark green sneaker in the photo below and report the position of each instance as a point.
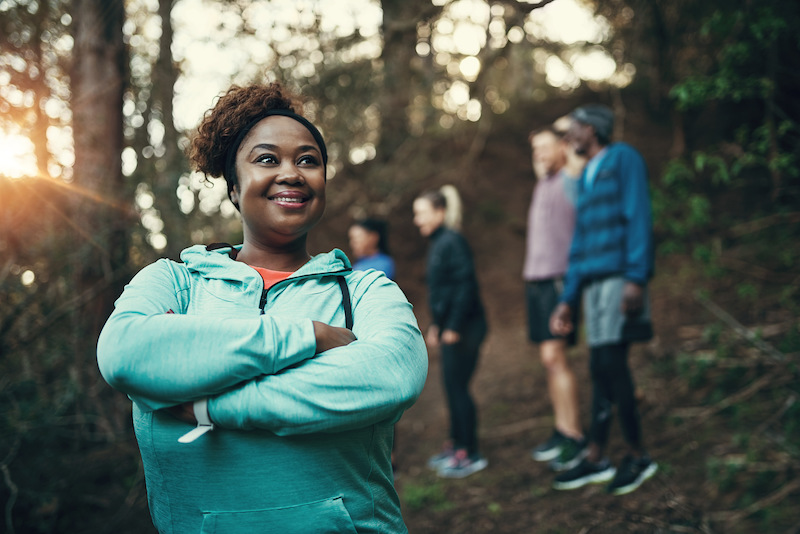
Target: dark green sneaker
(572, 452)
(550, 449)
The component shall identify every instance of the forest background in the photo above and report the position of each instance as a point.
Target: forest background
(97, 98)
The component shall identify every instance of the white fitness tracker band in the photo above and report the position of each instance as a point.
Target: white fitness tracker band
(204, 423)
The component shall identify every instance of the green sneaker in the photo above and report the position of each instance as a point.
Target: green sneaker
(572, 452)
(550, 449)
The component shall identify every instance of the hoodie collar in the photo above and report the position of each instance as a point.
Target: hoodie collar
(217, 264)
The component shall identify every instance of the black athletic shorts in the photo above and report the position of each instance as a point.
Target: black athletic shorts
(542, 297)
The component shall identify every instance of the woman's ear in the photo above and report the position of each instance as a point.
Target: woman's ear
(234, 196)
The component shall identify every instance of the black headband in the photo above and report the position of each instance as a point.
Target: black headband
(230, 155)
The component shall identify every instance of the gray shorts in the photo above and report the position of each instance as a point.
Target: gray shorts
(605, 322)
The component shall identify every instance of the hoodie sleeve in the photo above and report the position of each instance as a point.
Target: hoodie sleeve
(160, 357)
(638, 217)
(373, 379)
(572, 278)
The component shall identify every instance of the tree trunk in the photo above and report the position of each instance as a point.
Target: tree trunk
(170, 166)
(399, 29)
(100, 251)
(42, 121)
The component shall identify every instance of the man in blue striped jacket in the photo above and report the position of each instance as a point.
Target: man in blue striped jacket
(610, 263)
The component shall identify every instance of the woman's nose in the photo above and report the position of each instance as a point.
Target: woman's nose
(290, 174)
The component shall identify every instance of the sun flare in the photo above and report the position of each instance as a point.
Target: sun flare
(17, 159)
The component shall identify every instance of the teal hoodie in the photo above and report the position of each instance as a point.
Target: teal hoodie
(302, 442)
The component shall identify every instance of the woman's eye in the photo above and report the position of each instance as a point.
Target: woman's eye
(307, 160)
(267, 158)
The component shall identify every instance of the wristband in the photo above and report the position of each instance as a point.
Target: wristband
(204, 424)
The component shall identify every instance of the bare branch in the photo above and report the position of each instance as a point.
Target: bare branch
(763, 223)
(770, 500)
(525, 7)
(12, 487)
(702, 413)
(740, 329)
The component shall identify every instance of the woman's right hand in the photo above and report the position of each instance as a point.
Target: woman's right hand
(329, 337)
(450, 337)
(432, 336)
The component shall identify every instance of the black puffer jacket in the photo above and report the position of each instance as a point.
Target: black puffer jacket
(453, 292)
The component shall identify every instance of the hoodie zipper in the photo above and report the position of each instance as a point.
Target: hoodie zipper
(262, 303)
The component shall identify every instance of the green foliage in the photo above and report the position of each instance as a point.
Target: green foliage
(747, 291)
(745, 38)
(495, 508)
(678, 209)
(692, 369)
(791, 342)
(791, 422)
(722, 472)
(682, 206)
(711, 333)
(749, 47)
(715, 165)
(419, 496)
(540, 490)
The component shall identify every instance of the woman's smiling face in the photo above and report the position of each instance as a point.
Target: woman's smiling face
(281, 189)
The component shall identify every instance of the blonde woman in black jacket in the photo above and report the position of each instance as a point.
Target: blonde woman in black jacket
(458, 325)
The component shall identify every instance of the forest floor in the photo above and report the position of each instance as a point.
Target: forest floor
(694, 426)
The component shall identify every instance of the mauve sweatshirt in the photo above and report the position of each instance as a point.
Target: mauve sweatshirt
(551, 222)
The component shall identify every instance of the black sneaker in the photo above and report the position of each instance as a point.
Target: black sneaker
(632, 472)
(572, 452)
(550, 449)
(585, 472)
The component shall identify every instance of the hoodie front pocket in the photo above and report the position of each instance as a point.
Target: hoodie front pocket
(327, 516)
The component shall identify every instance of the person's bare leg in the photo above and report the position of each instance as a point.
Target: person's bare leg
(562, 387)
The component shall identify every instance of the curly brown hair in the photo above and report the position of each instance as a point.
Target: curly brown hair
(221, 125)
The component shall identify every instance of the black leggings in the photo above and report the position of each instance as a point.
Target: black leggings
(612, 383)
(458, 364)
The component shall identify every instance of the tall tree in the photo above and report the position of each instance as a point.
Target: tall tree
(97, 82)
(399, 28)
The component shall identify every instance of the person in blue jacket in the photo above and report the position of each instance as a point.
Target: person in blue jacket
(257, 405)
(458, 325)
(370, 245)
(610, 264)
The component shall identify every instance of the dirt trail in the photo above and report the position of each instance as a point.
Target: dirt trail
(513, 495)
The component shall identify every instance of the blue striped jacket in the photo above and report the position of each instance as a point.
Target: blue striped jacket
(613, 230)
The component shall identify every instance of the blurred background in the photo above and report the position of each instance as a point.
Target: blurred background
(99, 97)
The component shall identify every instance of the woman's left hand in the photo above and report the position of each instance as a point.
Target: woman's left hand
(450, 337)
